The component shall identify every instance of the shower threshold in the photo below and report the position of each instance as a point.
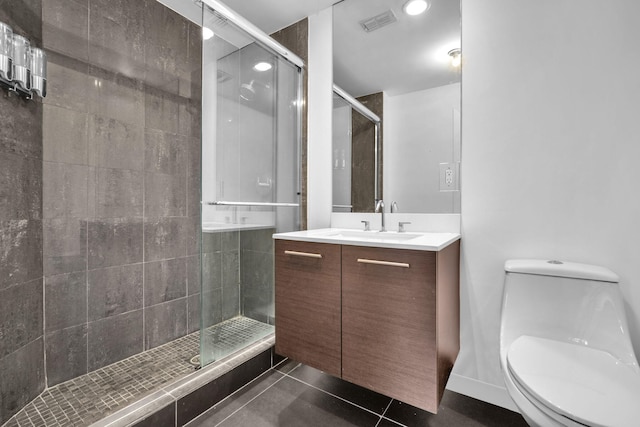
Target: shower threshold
(89, 398)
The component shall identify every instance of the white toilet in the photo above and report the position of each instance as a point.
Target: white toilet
(565, 350)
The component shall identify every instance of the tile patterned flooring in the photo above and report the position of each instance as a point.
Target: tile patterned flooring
(292, 394)
(88, 398)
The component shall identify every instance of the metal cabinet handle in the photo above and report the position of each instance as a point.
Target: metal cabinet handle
(389, 263)
(304, 254)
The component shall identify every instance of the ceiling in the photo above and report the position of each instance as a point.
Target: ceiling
(408, 55)
(405, 56)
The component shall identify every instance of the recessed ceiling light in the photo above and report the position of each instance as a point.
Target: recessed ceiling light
(415, 7)
(262, 66)
(207, 33)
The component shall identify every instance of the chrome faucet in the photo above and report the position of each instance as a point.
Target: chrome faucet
(380, 208)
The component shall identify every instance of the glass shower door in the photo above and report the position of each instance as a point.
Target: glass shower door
(250, 183)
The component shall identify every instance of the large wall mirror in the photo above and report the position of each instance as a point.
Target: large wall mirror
(404, 68)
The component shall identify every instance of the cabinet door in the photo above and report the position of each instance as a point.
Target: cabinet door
(389, 323)
(308, 282)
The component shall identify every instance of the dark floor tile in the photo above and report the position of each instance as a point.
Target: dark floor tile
(358, 395)
(287, 366)
(388, 423)
(236, 401)
(276, 359)
(456, 410)
(292, 403)
(200, 400)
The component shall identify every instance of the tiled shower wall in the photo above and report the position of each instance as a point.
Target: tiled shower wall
(237, 275)
(121, 173)
(22, 374)
(363, 167)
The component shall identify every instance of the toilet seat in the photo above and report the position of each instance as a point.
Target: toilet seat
(586, 385)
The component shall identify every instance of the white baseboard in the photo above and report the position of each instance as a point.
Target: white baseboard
(486, 392)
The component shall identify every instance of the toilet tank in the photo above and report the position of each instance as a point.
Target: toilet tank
(570, 302)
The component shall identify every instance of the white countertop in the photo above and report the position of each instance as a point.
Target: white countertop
(421, 241)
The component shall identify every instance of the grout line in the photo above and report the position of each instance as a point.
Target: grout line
(44, 331)
(333, 395)
(387, 408)
(384, 412)
(252, 399)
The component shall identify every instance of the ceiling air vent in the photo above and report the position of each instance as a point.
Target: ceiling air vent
(378, 21)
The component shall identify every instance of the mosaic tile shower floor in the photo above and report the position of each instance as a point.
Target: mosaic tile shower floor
(88, 398)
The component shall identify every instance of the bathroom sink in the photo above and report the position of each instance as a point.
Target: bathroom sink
(422, 241)
(372, 235)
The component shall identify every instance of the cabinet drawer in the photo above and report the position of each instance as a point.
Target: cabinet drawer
(307, 303)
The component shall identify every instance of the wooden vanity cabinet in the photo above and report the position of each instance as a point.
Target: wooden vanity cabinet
(385, 319)
(307, 294)
(400, 321)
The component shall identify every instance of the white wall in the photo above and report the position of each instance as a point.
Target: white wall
(320, 110)
(550, 152)
(418, 136)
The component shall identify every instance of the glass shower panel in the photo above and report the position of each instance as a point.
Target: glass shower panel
(250, 183)
(341, 140)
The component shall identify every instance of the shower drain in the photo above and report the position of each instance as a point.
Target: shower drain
(195, 361)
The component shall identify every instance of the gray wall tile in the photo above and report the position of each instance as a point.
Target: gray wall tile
(257, 240)
(165, 153)
(194, 173)
(21, 292)
(165, 281)
(230, 241)
(21, 189)
(257, 269)
(193, 313)
(20, 315)
(190, 120)
(212, 267)
(65, 245)
(193, 275)
(230, 302)
(165, 322)
(116, 96)
(114, 290)
(230, 269)
(162, 110)
(65, 300)
(193, 233)
(64, 135)
(64, 190)
(165, 195)
(115, 144)
(65, 27)
(118, 193)
(211, 242)
(164, 238)
(18, 135)
(212, 307)
(114, 338)
(67, 81)
(20, 251)
(114, 242)
(167, 47)
(21, 377)
(66, 352)
(116, 36)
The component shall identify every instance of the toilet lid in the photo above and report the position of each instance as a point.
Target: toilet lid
(581, 383)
